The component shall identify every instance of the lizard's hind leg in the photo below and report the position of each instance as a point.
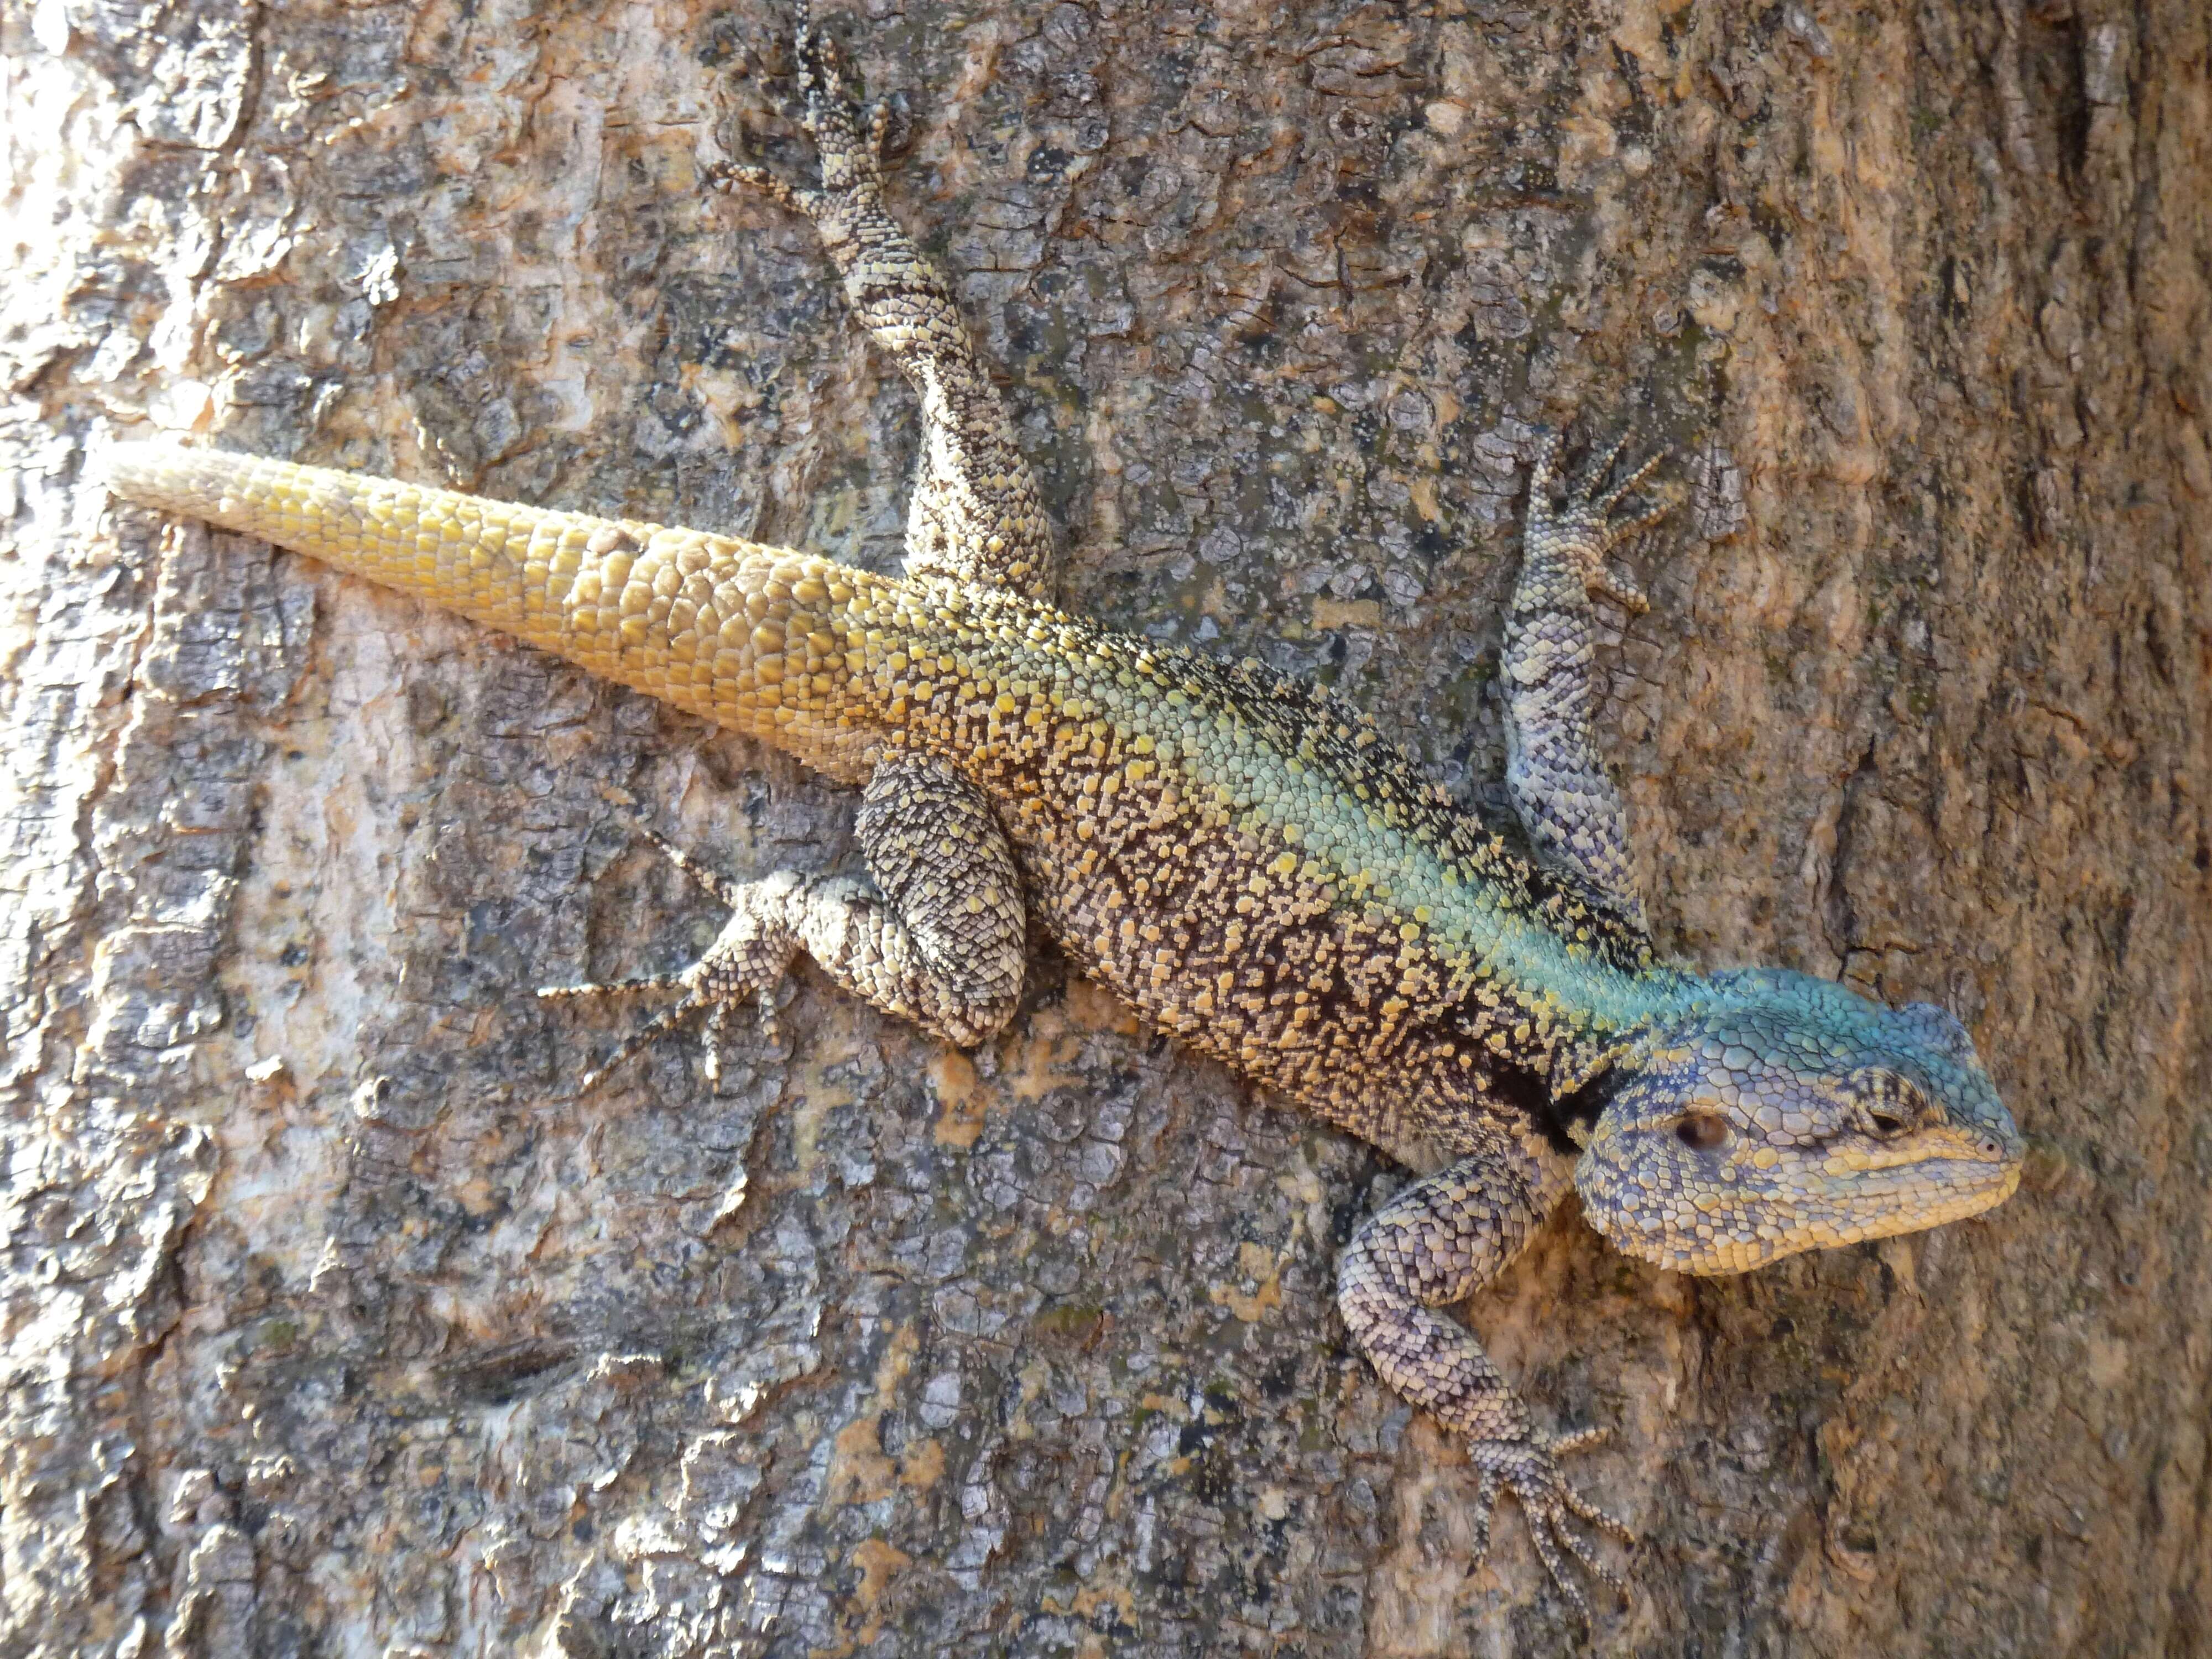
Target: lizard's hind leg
(974, 514)
(935, 933)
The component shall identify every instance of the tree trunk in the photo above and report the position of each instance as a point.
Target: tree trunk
(337, 1322)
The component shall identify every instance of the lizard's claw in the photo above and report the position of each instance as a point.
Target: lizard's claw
(746, 961)
(1529, 1469)
(1587, 524)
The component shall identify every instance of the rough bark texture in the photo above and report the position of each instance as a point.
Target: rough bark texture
(335, 1323)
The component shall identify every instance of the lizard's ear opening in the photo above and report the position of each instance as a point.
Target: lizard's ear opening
(1704, 1132)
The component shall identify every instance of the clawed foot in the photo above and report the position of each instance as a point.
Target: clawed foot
(746, 961)
(1585, 525)
(1529, 1469)
(849, 138)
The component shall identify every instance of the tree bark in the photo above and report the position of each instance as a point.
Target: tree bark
(335, 1322)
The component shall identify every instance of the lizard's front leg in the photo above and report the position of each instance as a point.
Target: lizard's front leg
(975, 515)
(1556, 776)
(1434, 1244)
(934, 935)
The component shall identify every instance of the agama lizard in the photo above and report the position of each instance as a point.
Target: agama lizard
(1240, 856)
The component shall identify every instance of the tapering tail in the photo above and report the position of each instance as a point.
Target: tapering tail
(763, 640)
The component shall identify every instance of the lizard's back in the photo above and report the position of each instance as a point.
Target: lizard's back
(1379, 938)
(1246, 859)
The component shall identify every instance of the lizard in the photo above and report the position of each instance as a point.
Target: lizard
(1241, 856)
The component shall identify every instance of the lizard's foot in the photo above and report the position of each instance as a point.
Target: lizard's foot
(1587, 525)
(933, 932)
(1429, 1246)
(752, 953)
(849, 138)
(1529, 1467)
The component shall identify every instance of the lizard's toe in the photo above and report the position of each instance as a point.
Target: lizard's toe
(1556, 1524)
(1529, 1469)
(1541, 1528)
(1591, 479)
(1486, 1507)
(731, 177)
(1545, 469)
(1580, 1440)
(638, 1042)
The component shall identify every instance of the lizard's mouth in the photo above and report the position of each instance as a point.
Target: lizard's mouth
(1735, 1221)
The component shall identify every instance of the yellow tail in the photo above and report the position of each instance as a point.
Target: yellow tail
(766, 641)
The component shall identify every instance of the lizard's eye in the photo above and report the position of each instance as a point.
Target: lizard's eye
(1701, 1132)
(1889, 1104)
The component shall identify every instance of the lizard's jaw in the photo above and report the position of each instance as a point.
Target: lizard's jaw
(1651, 1201)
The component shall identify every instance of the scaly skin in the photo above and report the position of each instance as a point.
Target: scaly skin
(1239, 856)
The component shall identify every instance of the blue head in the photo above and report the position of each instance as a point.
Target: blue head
(1780, 1113)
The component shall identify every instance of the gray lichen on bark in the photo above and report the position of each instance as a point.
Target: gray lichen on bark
(337, 1322)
